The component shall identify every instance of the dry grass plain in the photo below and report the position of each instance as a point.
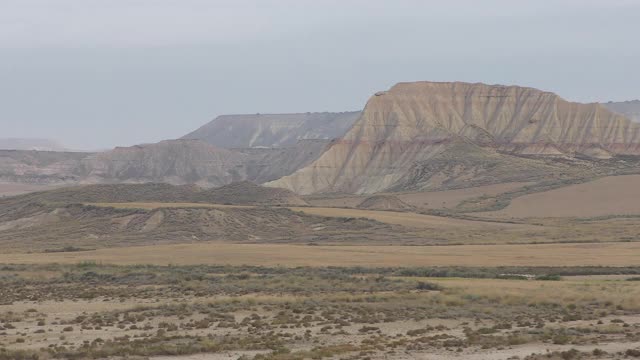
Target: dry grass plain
(592, 254)
(92, 311)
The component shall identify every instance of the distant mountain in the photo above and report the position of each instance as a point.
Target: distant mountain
(40, 167)
(171, 161)
(273, 130)
(630, 109)
(30, 144)
(428, 135)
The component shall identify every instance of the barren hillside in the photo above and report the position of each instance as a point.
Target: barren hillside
(403, 132)
(40, 167)
(58, 218)
(170, 161)
(384, 202)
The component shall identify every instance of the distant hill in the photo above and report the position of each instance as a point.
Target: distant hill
(267, 164)
(273, 130)
(429, 135)
(40, 167)
(169, 161)
(61, 218)
(30, 144)
(248, 193)
(240, 193)
(630, 109)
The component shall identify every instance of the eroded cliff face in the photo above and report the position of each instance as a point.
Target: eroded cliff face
(414, 122)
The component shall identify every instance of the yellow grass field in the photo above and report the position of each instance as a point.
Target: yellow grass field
(603, 254)
(606, 196)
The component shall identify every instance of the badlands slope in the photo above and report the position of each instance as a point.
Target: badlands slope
(404, 132)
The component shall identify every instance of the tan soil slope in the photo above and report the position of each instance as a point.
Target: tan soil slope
(240, 193)
(414, 122)
(447, 199)
(606, 196)
(248, 193)
(384, 202)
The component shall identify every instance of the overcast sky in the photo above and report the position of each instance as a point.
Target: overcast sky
(98, 73)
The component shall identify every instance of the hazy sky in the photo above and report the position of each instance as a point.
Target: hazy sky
(99, 73)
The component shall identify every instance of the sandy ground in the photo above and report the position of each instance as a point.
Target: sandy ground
(606, 196)
(510, 353)
(593, 254)
(231, 355)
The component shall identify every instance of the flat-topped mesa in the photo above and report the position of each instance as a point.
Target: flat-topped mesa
(414, 122)
(515, 117)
